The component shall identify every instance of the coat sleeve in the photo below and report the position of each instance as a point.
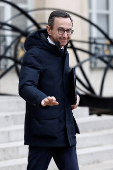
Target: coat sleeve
(29, 77)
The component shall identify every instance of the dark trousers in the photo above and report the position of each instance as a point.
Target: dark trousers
(64, 157)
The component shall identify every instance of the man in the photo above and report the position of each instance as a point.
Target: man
(44, 83)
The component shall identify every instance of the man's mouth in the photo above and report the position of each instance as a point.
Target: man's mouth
(63, 39)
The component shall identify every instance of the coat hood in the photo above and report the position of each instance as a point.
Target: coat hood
(39, 39)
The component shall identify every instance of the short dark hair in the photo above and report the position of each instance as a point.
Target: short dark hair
(58, 13)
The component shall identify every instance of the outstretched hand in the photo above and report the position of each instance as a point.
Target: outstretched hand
(49, 101)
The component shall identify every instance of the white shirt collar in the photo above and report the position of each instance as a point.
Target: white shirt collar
(51, 42)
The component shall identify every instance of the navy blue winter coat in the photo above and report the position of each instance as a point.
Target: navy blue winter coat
(45, 72)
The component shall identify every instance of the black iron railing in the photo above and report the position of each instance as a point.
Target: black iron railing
(98, 51)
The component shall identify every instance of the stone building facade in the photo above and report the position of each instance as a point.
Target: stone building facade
(99, 12)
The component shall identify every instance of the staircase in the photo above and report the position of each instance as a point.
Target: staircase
(94, 144)
(13, 153)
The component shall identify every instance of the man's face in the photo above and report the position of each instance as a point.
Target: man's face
(60, 23)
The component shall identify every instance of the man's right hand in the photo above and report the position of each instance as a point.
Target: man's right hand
(49, 101)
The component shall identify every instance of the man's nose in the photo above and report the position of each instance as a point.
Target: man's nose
(65, 34)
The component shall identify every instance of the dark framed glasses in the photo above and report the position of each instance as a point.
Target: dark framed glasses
(61, 31)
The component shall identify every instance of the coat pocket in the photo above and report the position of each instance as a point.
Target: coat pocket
(45, 127)
(45, 113)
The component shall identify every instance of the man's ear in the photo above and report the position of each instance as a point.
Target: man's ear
(48, 29)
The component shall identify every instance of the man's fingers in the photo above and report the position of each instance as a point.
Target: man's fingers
(46, 100)
(51, 98)
(43, 103)
(55, 103)
(50, 101)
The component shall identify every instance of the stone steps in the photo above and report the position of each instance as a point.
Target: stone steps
(86, 124)
(20, 164)
(15, 132)
(95, 123)
(94, 144)
(11, 118)
(14, 164)
(97, 138)
(87, 156)
(105, 165)
(11, 104)
(11, 133)
(81, 112)
(13, 150)
(90, 141)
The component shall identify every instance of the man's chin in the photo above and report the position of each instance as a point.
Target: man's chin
(63, 44)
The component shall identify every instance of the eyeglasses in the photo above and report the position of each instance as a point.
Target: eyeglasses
(61, 31)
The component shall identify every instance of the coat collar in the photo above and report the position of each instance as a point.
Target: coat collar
(51, 42)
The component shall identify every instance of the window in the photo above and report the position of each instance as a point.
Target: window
(6, 37)
(101, 13)
(102, 5)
